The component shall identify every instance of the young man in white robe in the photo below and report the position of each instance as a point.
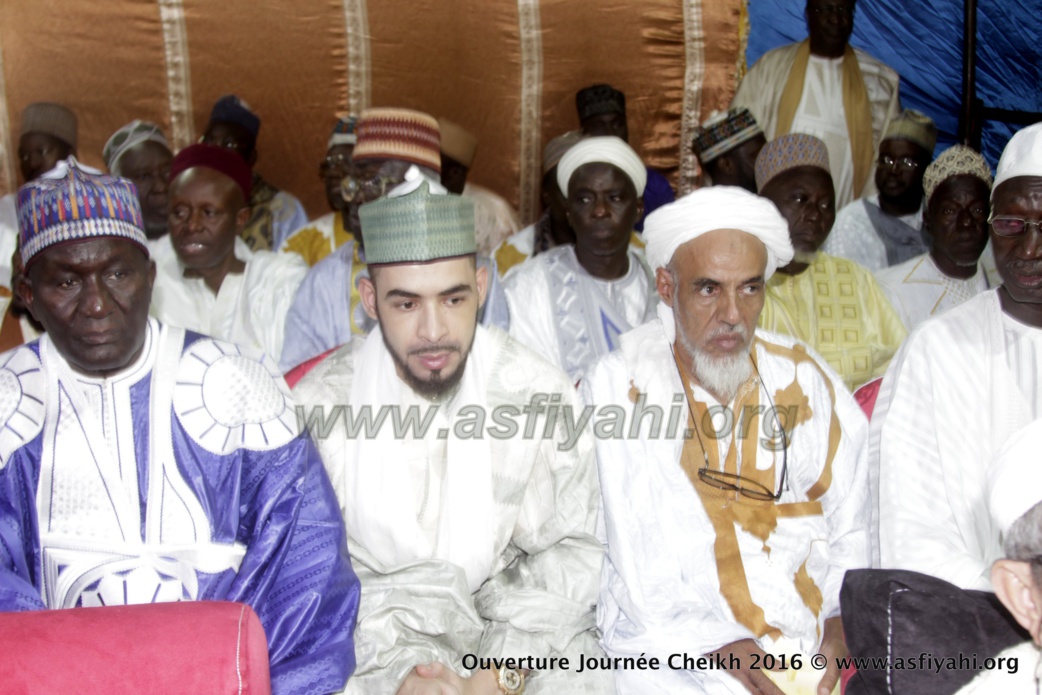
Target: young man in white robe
(957, 187)
(955, 392)
(885, 228)
(571, 303)
(467, 542)
(212, 282)
(729, 541)
(826, 88)
(142, 463)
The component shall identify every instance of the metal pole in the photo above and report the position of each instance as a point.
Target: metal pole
(969, 119)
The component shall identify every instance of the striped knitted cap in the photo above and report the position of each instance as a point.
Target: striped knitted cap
(402, 134)
(73, 202)
(788, 152)
(418, 226)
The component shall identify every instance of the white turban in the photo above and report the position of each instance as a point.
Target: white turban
(1015, 477)
(704, 211)
(602, 150)
(1022, 156)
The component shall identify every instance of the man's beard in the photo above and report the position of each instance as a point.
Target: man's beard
(437, 385)
(721, 376)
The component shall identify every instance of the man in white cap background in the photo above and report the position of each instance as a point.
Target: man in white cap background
(140, 152)
(465, 542)
(960, 386)
(957, 187)
(144, 463)
(321, 237)
(731, 538)
(884, 229)
(494, 218)
(570, 304)
(48, 136)
(832, 304)
(1014, 497)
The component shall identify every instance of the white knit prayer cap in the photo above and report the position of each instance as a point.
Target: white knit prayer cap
(707, 210)
(1022, 156)
(606, 149)
(1015, 477)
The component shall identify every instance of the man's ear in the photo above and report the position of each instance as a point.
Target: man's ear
(665, 286)
(1014, 584)
(481, 275)
(367, 291)
(242, 217)
(25, 291)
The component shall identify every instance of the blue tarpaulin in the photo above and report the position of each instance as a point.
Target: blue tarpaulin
(923, 41)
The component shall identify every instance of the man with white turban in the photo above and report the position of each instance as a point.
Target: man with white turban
(956, 391)
(729, 540)
(140, 152)
(571, 303)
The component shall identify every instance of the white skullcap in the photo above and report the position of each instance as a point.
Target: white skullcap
(1015, 477)
(1022, 156)
(607, 149)
(704, 211)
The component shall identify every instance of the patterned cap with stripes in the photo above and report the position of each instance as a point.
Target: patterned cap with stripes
(403, 134)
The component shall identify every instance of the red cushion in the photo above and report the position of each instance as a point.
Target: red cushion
(866, 396)
(301, 370)
(193, 647)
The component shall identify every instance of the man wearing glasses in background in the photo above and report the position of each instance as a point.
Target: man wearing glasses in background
(826, 88)
(960, 386)
(885, 229)
(392, 144)
(727, 543)
(321, 237)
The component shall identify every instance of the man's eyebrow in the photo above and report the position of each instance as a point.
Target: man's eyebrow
(753, 280)
(401, 293)
(462, 288)
(705, 282)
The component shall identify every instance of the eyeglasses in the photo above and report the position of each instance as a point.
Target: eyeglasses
(334, 163)
(370, 189)
(734, 482)
(906, 163)
(1005, 225)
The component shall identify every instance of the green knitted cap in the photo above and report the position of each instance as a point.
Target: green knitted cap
(417, 227)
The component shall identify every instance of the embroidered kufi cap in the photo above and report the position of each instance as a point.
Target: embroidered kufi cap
(403, 134)
(344, 132)
(73, 202)
(954, 161)
(723, 131)
(913, 126)
(1022, 156)
(418, 221)
(50, 119)
(457, 143)
(606, 149)
(127, 137)
(788, 152)
(598, 99)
